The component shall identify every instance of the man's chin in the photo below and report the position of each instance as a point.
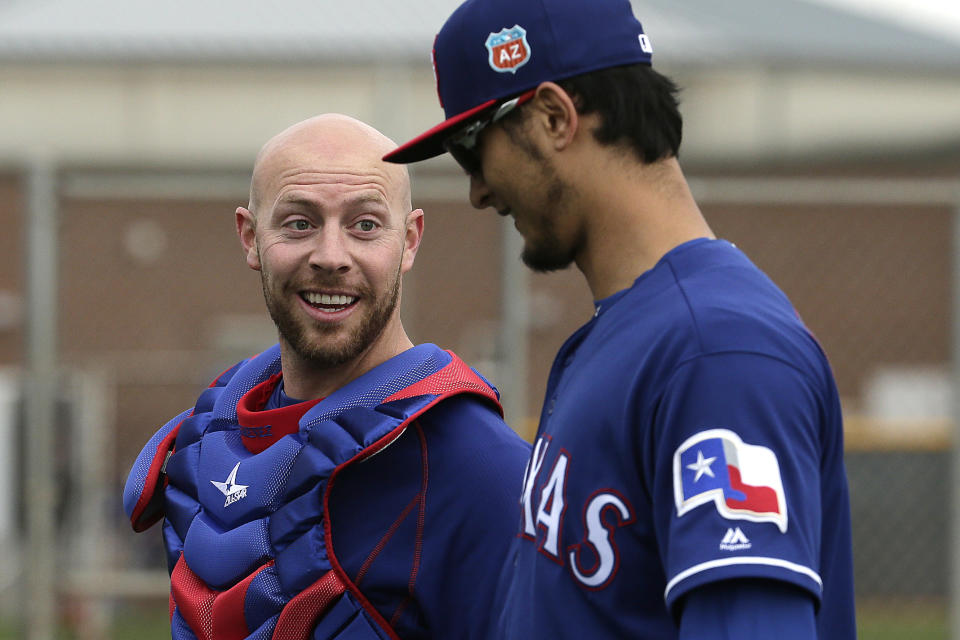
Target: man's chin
(327, 356)
(325, 344)
(545, 261)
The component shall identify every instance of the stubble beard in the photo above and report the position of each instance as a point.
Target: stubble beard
(545, 252)
(313, 343)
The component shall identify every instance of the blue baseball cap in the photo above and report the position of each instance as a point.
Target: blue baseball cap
(489, 50)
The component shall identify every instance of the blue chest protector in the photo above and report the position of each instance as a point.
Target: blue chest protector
(247, 533)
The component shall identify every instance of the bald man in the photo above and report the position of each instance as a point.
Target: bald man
(344, 483)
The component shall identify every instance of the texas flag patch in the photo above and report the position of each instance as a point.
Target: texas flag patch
(742, 480)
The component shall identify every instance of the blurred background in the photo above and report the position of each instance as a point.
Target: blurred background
(821, 137)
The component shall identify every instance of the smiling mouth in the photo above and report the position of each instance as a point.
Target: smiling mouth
(328, 303)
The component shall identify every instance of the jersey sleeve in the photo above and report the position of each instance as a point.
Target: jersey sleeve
(433, 572)
(737, 479)
(476, 469)
(748, 610)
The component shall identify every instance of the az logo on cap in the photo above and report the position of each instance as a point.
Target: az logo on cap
(508, 49)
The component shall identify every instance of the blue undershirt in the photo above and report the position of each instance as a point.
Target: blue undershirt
(279, 398)
(748, 609)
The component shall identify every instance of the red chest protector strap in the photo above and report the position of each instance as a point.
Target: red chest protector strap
(149, 507)
(213, 615)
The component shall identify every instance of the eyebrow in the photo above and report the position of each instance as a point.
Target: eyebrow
(372, 198)
(363, 198)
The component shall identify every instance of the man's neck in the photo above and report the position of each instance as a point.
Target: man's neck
(635, 215)
(306, 380)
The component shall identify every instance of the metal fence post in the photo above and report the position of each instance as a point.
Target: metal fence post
(39, 611)
(954, 597)
(514, 325)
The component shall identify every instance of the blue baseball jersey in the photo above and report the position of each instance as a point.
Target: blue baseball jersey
(691, 433)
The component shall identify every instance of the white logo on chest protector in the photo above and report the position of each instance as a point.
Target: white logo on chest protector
(230, 488)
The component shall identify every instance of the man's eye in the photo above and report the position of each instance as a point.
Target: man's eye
(300, 225)
(367, 225)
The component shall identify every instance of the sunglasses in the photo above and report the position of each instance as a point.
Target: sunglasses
(462, 145)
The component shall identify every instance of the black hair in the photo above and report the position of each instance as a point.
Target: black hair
(638, 109)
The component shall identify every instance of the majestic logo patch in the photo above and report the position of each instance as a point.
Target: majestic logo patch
(508, 49)
(230, 488)
(742, 480)
(735, 540)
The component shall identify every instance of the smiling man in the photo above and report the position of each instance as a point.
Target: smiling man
(344, 483)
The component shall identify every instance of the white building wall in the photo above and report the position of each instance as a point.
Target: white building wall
(221, 114)
(201, 114)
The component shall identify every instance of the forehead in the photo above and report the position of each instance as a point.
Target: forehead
(350, 170)
(331, 188)
(345, 162)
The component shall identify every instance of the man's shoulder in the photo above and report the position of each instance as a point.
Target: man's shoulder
(467, 435)
(720, 301)
(470, 419)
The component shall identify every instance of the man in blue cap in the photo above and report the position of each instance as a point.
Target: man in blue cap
(687, 479)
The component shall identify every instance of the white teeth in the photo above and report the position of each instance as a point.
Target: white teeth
(328, 300)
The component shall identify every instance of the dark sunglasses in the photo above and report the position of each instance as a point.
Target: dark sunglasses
(462, 145)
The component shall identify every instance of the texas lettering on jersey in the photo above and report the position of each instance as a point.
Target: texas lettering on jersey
(595, 559)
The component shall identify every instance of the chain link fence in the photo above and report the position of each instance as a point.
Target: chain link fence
(868, 264)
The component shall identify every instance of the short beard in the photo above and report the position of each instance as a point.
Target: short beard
(543, 253)
(321, 354)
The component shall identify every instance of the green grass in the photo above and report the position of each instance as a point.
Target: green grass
(149, 624)
(899, 620)
(139, 622)
(876, 620)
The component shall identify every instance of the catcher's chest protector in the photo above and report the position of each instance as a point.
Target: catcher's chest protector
(245, 495)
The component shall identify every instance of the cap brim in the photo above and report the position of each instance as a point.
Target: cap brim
(430, 144)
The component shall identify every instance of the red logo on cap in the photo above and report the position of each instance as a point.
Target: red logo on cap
(508, 49)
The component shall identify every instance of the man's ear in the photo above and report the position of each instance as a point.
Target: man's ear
(247, 232)
(411, 241)
(557, 114)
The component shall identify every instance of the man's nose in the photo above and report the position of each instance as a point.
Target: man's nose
(479, 192)
(330, 251)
